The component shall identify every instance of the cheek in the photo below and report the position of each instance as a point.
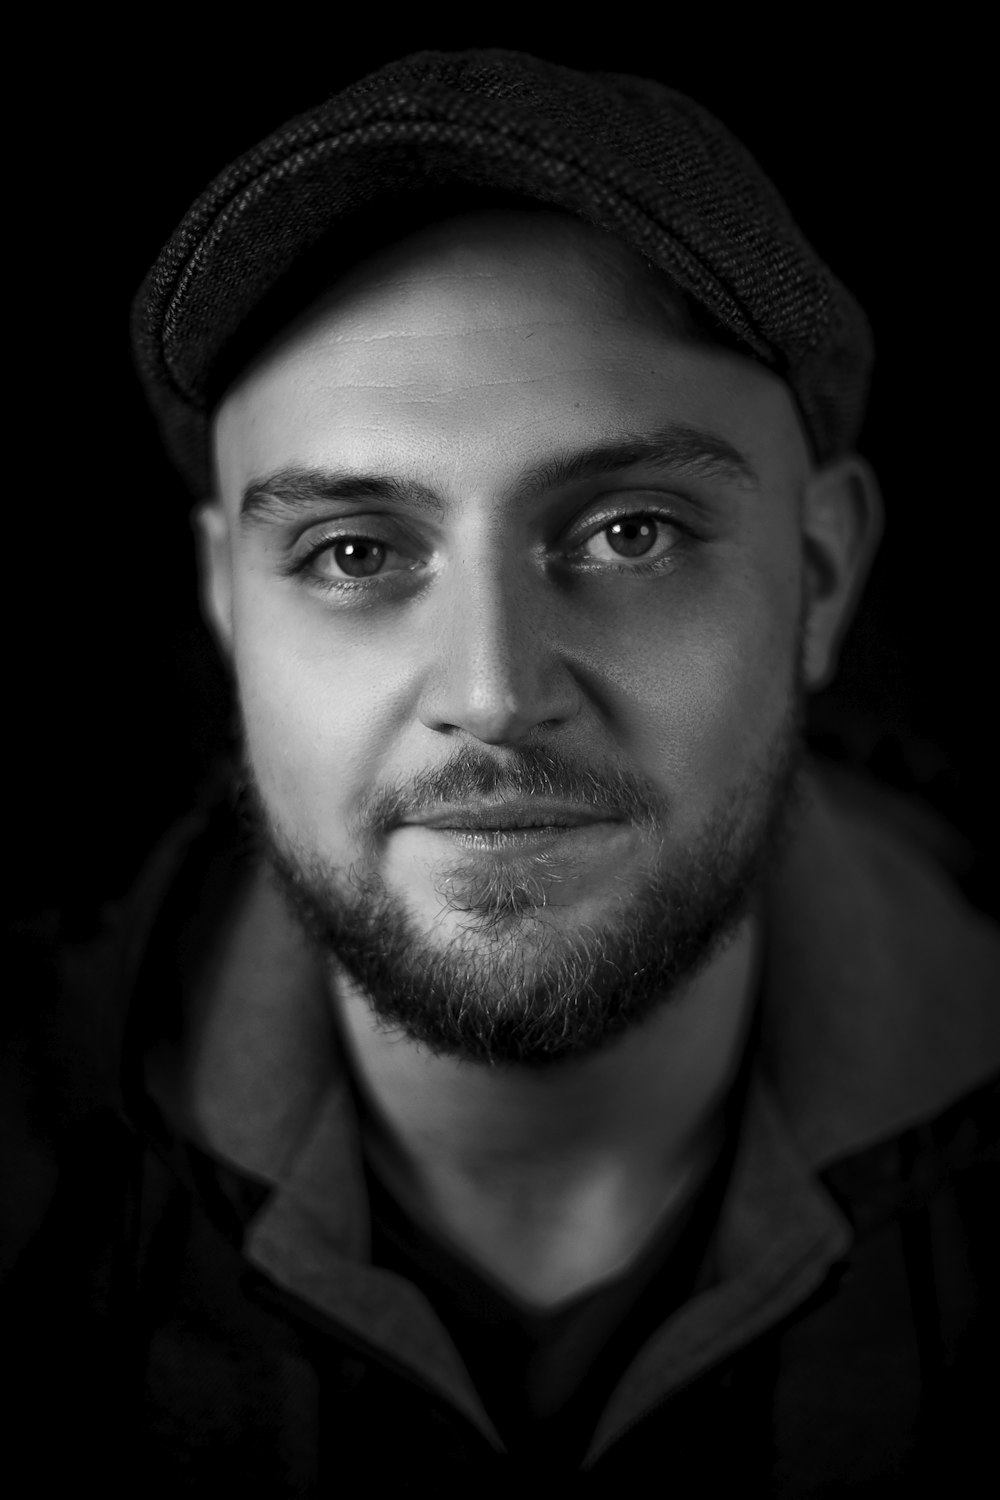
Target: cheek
(707, 683)
(321, 708)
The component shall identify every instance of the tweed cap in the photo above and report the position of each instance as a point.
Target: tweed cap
(625, 154)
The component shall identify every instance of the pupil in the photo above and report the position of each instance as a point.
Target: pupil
(632, 538)
(359, 559)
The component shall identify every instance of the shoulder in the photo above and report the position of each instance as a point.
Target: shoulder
(883, 984)
(66, 1017)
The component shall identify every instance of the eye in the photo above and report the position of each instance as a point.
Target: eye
(354, 557)
(641, 536)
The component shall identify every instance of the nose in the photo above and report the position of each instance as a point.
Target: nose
(498, 672)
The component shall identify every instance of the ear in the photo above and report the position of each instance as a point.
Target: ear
(215, 567)
(841, 529)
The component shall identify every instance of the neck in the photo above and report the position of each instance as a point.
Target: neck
(612, 1136)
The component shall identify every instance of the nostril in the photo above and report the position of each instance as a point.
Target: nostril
(496, 673)
(499, 704)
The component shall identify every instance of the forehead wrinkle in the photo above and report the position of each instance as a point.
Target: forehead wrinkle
(485, 324)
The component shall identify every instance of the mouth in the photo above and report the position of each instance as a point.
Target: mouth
(532, 824)
(530, 817)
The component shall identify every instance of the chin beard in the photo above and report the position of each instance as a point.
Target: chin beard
(513, 986)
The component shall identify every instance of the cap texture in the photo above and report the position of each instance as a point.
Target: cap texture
(628, 155)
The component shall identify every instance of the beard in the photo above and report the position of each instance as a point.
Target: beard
(511, 985)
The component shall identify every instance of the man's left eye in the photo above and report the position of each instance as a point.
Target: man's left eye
(644, 537)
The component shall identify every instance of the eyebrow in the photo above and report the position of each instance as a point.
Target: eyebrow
(676, 448)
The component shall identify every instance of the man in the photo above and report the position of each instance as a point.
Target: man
(545, 1075)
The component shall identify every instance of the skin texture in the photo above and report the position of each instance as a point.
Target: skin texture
(504, 622)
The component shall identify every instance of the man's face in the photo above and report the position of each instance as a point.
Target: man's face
(450, 624)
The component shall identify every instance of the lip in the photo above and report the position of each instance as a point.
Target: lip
(505, 817)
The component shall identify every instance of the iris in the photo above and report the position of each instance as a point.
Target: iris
(633, 537)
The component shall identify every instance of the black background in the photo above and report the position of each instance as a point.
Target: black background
(119, 703)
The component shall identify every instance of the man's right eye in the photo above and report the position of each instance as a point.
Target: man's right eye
(351, 557)
(332, 561)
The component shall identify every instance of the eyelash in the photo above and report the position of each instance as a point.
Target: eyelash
(299, 567)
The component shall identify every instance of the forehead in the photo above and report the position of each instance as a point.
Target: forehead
(485, 336)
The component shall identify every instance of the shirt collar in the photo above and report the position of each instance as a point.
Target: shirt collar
(778, 1234)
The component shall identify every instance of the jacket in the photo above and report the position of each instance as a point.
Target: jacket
(192, 1316)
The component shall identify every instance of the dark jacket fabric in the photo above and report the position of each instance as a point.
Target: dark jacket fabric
(190, 1307)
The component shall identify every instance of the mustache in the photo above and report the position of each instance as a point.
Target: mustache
(528, 771)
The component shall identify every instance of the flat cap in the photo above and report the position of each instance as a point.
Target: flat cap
(626, 154)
